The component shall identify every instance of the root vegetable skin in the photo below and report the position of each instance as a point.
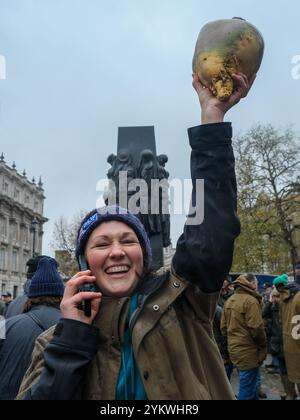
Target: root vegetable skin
(225, 47)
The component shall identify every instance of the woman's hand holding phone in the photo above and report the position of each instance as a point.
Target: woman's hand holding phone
(72, 299)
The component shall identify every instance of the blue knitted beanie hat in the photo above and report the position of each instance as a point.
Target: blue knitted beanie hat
(107, 214)
(46, 280)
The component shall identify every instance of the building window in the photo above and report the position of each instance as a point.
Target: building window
(5, 187)
(15, 260)
(25, 235)
(3, 226)
(17, 194)
(36, 206)
(3, 287)
(2, 258)
(14, 231)
(15, 292)
(27, 199)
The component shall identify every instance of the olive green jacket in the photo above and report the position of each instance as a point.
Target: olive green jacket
(290, 316)
(243, 325)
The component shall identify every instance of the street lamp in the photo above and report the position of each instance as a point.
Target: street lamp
(34, 225)
(290, 229)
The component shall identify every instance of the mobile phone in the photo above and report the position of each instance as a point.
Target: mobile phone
(87, 287)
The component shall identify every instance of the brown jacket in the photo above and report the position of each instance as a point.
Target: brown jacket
(243, 324)
(173, 345)
(290, 308)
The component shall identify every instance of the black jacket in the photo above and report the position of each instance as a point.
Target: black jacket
(15, 351)
(221, 340)
(274, 328)
(203, 257)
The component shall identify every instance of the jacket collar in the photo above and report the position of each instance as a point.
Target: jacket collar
(170, 287)
(289, 291)
(151, 284)
(242, 285)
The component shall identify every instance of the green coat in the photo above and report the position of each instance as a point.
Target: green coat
(289, 308)
(243, 325)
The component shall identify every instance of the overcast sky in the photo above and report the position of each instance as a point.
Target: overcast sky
(76, 70)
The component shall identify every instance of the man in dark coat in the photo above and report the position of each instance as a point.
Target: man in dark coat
(40, 313)
(17, 305)
(226, 291)
(221, 341)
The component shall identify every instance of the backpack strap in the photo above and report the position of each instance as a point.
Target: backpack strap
(37, 320)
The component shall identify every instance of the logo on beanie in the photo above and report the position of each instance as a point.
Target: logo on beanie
(87, 224)
(110, 213)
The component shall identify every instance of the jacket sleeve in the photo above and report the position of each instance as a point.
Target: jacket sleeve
(60, 373)
(255, 324)
(204, 251)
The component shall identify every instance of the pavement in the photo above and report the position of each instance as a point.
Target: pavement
(271, 383)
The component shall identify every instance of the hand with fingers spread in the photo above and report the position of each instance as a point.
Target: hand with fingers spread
(72, 299)
(213, 110)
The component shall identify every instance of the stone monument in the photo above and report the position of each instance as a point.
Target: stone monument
(137, 175)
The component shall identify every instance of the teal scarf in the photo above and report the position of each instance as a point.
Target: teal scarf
(130, 385)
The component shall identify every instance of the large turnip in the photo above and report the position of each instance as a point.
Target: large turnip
(225, 47)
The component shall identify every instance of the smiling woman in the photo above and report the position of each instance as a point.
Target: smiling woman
(149, 335)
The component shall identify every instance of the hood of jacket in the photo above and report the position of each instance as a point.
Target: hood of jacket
(289, 291)
(242, 285)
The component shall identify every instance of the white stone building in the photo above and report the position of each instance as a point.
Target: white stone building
(21, 226)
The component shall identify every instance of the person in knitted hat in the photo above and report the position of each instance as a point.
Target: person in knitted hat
(281, 281)
(17, 305)
(289, 311)
(271, 315)
(41, 311)
(149, 335)
(117, 275)
(46, 280)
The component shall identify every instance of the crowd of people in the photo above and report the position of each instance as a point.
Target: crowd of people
(249, 325)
